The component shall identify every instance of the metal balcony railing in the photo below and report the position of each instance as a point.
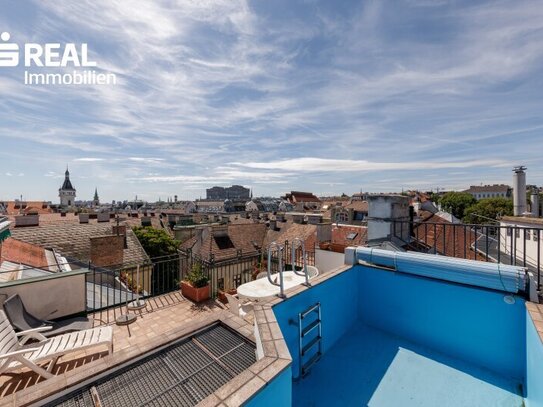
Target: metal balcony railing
(516, 245)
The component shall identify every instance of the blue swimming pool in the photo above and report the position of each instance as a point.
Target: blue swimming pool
(391, 339)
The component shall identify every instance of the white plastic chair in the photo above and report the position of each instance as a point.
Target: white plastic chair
(238, 308)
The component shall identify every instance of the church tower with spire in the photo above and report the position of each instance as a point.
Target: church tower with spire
(67, 192)
(96, 200)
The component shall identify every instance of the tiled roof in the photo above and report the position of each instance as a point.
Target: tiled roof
(297, 196)
(488, 188)
(448, 240)
(155, 222)
(341, 233)
(243, 237)
(359, 206)
(17, 251)
(340, 238)
(73, 239)
(15, 207)
(289, 231)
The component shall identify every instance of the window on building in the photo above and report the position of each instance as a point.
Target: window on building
(342, 217)
(358, 215)
(223, 242)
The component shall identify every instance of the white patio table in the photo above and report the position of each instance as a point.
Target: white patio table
(262, 288)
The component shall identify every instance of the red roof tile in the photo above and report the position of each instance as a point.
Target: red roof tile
(447, 238)
(16, 207)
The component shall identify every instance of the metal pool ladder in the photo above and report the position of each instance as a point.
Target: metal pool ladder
(308, 340)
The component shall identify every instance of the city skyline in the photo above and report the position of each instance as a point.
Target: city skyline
(313, 95)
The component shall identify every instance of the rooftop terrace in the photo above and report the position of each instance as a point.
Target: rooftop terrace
(465, 331)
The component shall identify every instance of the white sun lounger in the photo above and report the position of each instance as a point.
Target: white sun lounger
(14, 354)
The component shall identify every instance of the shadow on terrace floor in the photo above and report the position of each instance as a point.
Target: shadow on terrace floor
(160, 315)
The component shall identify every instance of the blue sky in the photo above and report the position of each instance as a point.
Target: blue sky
(324, 96)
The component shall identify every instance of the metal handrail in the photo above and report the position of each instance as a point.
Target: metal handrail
(297, 242)
(274, 246)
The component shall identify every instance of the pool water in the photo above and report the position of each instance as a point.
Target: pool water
(368, 366)
(391, 339)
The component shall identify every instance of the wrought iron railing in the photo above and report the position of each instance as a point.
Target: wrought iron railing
(508, 244)
(114, 286)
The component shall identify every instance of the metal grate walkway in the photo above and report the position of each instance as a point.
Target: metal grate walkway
(183, 374)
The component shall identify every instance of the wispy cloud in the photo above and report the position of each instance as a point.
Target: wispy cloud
(88, 159)
(298, 94)
(311, 164)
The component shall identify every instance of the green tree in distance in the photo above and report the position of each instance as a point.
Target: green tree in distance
(156, 242)
(489, 208)
(456, 203)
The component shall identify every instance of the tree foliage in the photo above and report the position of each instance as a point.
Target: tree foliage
(489, 208)
(456, 202)
(433, 197)
(156, 242)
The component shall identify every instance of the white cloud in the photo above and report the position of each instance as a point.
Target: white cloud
(88, 159)
(208, 83)
(311, 164)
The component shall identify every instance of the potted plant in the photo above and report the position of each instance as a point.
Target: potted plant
(196, 285)
(227, 289)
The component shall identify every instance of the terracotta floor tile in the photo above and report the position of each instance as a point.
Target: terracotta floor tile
(161, 315)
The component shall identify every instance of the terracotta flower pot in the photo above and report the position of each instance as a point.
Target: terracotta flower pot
(222, 297)
(193, 293)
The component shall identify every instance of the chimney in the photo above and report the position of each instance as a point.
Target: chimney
(280, 217)
(146, 221)
(324, 232)
(120, 230)
(27, 220)
(519, 191)
(298, 218)
(534, 202)
(83, 218)
(103, 217)
(314, 219)
(107, 250)
(273, 224)
(383, 210)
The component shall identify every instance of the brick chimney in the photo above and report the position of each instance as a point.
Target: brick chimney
(107, 250)
(27, 220)
(298, 218)
(103, 217)
(120, 230)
